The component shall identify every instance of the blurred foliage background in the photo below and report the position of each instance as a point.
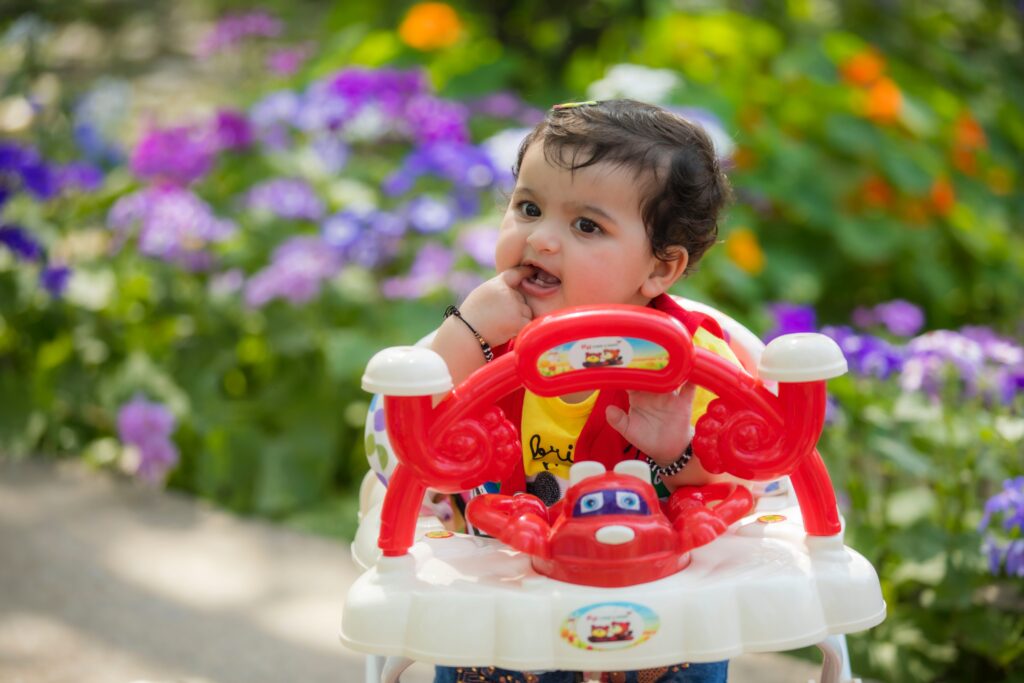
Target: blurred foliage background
(212, 215)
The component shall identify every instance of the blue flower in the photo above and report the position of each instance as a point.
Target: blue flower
(148, 427)
(291, 198)
(790, 318)
(21, 243)
(430, 215)
(55, 279)
(1008, 504)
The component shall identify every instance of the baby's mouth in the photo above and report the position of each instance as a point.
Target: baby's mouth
(543, 279)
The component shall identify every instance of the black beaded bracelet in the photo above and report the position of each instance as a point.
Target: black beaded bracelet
(484, 346)
(675, 468)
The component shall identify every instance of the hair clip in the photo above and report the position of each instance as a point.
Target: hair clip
(572, 105)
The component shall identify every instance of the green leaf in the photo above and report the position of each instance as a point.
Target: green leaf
(900, 454)
(909, 506)
(347, 352)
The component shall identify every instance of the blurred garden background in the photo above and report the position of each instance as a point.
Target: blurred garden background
(214, 213)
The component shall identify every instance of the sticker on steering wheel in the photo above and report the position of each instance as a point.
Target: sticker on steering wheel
(602, 352)
(610, 626)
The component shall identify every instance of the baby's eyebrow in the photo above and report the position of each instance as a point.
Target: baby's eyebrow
(594, 209)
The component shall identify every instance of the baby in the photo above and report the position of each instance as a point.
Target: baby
(614, 201)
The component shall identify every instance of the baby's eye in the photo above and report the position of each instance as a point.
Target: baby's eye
(529, 209)
(586, 226)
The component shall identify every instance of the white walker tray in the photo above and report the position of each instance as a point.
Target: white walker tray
(763, 586)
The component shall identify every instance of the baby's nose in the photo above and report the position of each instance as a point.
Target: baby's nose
(543, 238)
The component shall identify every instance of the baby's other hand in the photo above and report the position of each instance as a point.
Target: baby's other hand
(657, 423)
(497, 308)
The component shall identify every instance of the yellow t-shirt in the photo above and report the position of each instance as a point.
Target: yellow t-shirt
(551, 427)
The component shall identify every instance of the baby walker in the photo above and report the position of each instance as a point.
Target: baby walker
(614, 580)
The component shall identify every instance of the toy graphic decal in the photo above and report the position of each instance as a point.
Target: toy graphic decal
(603, 352)
(610, 626)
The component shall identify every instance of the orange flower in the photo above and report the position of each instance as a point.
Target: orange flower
(864, 68)
(744, 158)
(430, 26)
(745, 251)
(884, 101)
(942, 196)
(965, 160)
(968, 133)
(876, 193)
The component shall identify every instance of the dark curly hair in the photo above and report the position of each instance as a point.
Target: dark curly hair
(684, 187)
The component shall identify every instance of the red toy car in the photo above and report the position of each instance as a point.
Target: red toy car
(610, 529)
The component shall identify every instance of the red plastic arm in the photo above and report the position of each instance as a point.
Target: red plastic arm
(450, 448)
(749, 432)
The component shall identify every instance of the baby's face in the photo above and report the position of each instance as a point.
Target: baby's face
(581, 232)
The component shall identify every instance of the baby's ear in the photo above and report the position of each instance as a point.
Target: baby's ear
(665, 272)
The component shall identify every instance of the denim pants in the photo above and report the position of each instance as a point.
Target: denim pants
(713, 672)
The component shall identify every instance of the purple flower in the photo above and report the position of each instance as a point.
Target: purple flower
(38, 178)
(232, 29)
(156, 458)
(139, 420)
(429, 214)
(342, 230)
(428, 272)
(179, 155)
(290, 198)
(996, 348)
(433, 120)
(231, 130)
(366, 237)
(332, 153)
(391, 89)
(864, 317)
(272, 117)
(900, 317)
(479, 242)
(148, 426)
(322, 110)
(939, 357)
(21, 242)
(79, 175)
(790, 318)
(867, 355)
(227, 283)
(1009, 505)
(21, 166)
(55, 279)
(502, 105)
(464, 165)
(296, 272)
(173, 224)
(286, 61)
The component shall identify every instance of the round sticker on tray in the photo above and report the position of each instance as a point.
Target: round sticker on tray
(610, 626)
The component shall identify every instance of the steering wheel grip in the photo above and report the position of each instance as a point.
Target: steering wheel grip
(698, 524)
(520, 522)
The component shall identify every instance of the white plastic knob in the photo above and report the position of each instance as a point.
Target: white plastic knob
(407, 371)
(801, 357)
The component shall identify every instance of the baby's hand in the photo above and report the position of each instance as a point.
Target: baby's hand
(657, 424)
(497, 308)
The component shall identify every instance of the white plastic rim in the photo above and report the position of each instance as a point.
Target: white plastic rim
(801, 357)
(406, 371)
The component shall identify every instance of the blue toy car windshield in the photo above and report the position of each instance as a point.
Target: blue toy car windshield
(610, 502)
